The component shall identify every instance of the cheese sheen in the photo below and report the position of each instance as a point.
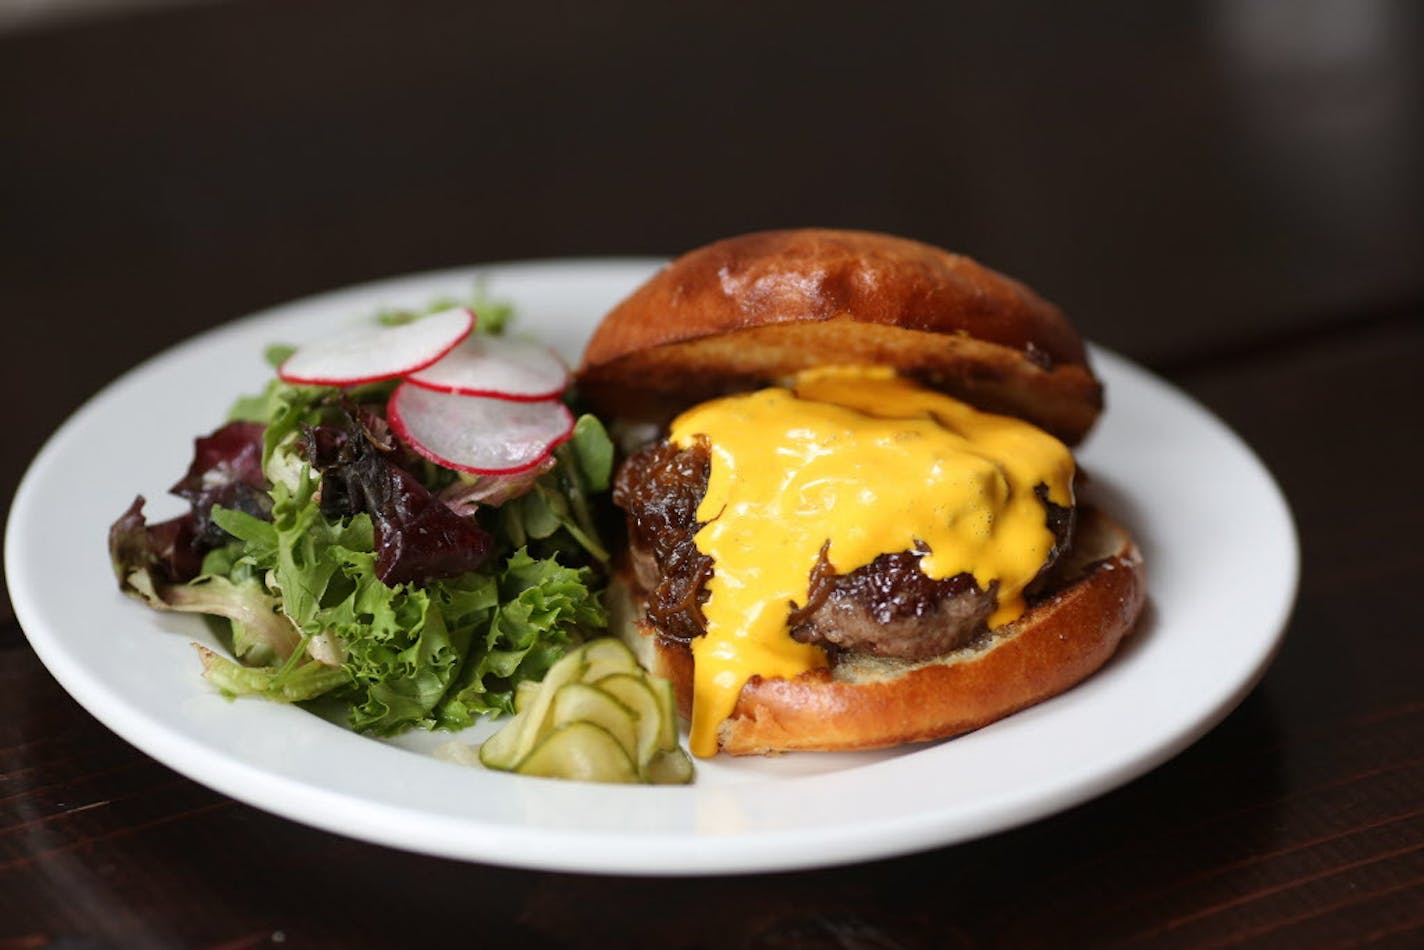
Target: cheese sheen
(868, 463)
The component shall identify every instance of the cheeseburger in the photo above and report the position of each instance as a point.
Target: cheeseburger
(858, 524)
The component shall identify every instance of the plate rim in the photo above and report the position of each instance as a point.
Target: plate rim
(331, 810)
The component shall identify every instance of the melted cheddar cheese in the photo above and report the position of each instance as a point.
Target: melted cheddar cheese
(866, 463)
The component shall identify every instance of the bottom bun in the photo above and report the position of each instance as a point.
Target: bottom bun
(869, 702)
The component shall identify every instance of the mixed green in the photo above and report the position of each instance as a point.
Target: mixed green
(346, 567)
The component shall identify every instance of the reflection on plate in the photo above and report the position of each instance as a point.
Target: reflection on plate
(1201, 505)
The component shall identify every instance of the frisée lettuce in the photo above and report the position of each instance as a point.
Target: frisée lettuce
(343, 566)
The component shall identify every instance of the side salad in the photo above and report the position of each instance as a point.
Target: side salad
(402, 522)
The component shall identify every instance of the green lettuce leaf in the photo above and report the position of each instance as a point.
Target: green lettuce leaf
(307, 681)
(542, 608)
(441, 654)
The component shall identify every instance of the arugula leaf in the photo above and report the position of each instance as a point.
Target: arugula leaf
(591, 450)
(561, 498)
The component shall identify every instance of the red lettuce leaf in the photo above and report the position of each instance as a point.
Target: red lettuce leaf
(226, 471)
(418, 537)
(168, 551)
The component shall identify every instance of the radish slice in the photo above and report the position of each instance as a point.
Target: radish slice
(478, 434)
(375, 353)
(499, 366)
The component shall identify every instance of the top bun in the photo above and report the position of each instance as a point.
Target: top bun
(750, 311)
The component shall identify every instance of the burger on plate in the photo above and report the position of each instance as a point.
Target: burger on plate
(858, 522)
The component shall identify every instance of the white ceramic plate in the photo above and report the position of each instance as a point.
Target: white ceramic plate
(1204, 509)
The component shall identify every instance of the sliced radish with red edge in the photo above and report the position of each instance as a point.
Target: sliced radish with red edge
(478, 434)
(499, 366)
(375, 353)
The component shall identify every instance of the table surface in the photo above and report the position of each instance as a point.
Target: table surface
(1230, 194)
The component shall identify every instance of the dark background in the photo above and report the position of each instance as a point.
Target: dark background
(1231, 193)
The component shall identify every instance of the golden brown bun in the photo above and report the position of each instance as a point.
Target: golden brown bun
(751, 310)
(868, 702)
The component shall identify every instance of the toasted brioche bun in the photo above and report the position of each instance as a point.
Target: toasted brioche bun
(748, 311)
(867, 702)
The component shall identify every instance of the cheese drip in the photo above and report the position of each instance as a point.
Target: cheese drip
(872, 464)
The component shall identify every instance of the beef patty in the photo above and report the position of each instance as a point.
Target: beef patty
(889, 607)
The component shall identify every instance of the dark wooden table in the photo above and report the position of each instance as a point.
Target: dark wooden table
(1232, 194)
